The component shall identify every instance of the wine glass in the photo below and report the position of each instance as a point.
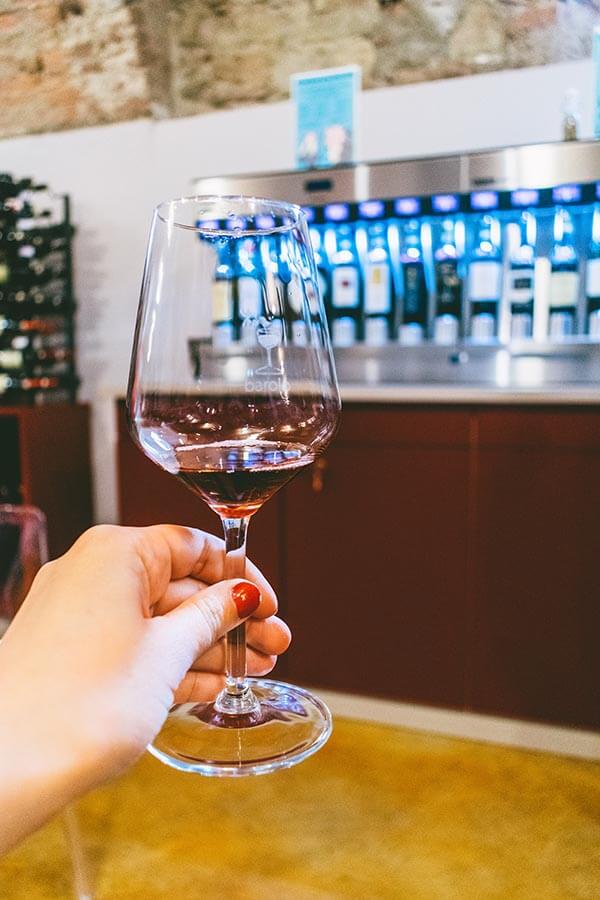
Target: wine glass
(233, 390)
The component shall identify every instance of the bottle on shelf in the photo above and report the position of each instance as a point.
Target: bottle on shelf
(379, 300)
(414, 285)
(322, 265)
(223, 330)
(520, 282)
(448, 286)
(592, 278)
(571, 108)
(484, 279)
(346, 289)
(249, 277)
(564, 277)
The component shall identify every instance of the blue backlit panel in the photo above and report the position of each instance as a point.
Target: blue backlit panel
(567, 193)
(524, 197)
(309, 213)
(445, 203)
(235, 223)
(407, 206)
(264, 222)
(208, 224)
(484, 200)
(337, 212)
(371, 209)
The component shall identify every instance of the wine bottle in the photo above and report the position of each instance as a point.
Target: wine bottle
(414, 285)
(564, 277)
(521, 278)
(485, 279)
(322, 265)
(223, 328)
(592, 277)
(249, 276)
(448, 287)
(346, 289)
(379, 301)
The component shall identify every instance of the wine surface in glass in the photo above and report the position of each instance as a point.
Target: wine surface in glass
(235, 478)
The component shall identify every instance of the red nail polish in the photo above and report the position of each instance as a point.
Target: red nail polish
(246, 597)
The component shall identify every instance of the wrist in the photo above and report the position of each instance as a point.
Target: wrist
(42, 768)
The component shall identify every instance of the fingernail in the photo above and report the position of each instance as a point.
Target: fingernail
(246, 597)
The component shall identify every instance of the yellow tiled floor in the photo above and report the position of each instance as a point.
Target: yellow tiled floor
(379, 813)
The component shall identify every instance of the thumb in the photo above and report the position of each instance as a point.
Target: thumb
(205, 617)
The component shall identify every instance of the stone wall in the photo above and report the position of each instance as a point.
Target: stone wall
(82, 62)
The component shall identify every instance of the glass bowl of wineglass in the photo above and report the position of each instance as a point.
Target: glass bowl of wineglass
(233, 391)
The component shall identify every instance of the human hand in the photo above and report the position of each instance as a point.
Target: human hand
(127, 622)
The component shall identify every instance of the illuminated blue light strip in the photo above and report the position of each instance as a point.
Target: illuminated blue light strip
(484, 200)
(407, 206)
(445, 203)
(567, 193)
(371, 209)
(525, 197)
(337, 212)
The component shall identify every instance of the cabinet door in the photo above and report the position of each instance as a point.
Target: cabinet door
(55, 469)
(148, 495)
(375, 562)
(536, 581)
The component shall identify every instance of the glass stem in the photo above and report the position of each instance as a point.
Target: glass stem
(236, 698)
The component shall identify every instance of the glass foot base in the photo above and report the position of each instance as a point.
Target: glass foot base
(289, 725)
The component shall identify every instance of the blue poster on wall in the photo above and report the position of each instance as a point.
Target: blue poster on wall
(325, 116)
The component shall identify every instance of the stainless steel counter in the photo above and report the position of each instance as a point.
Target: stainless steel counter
(522, 373)
(414, 394)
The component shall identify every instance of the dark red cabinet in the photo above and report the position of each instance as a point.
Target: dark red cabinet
(45, 451)
(376, 587)
(535, 590)
(443, 555)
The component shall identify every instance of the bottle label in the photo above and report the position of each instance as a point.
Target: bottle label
(313, 296)
(415, 291)
(485, 280)
(592, 278)
(345, 292)
(11, 359)
(222, 335)
(344, 332)
(564, 288)
(520, 285)
(376, 332)
(222, 305)
(295, 296)
(378, 295)
(323, 284)
(248, 296)
(300, 333)
(448, 287)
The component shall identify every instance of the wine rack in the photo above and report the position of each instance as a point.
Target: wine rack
(37, 342)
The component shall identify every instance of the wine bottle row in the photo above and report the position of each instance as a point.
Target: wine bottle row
(480, 268)
(36, 302)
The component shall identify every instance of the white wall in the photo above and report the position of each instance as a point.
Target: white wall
(116, 174)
